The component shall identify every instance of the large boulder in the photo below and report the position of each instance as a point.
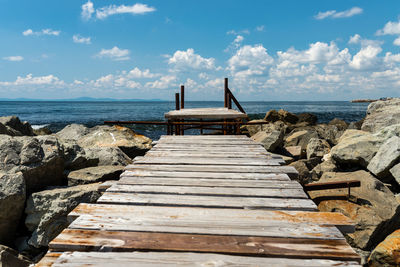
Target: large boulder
(252, 129)
(107, 156)
(271, 141)
(12, 201)
(395, 172)
(75, 157)
(340, 124)
(308, 118)
(15, 127)
(317, 148)
(387, 253)
(11, 258)
(40, 159)
(375, 209)
(327, 165)
(47, 210)
(73, 132)
(329, 132)
(300, 138)
(94, 175)
(281, 115)
(356, 147)
(387, 156)
(381, 114)
(302, 169)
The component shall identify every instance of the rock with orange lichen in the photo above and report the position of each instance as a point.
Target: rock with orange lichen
(387, 253)
(374, 209)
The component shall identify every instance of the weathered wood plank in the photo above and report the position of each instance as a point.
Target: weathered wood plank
(200, 142)
(214, 168)
(210, 149)
(207, 182)
(212, 217)
(208, 161)
(256, 246)
(204, 136)
(210, 191)
(206, 113)
(208, 175)
(201, 154)
(49, 259)
(208, 201)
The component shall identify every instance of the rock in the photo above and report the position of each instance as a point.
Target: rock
(303, 170)
(295, 151)
(317, 148)
(42, 131)
(375, 210)
(395, 172)
(272, 116)
(128, 141)
(73, 132)
(320, 169)
(47, 210)
(309, 118)
(356, 125)
(40, 159)
(340, 124)
(381, 114)
(287, 159)
(12, 201)
(281, 115)
(15, 127)
(330, 133)
(75, 157)
(271, 141)
(10, 258)
(387, 253)
(94, 175)
(386, 157)
(356, 147)
(255, 128)
(107, 156)
(300, 138)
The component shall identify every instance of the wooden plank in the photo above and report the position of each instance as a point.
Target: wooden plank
(257, 246)
(208, 161)
(208, 175)
(208, 182)
(214, 168)
(186, 153)
(204, 137)
(49, 259)
(209, 113)
(210, 191)
(208, 201)
(210, 149)
(200, 142)
(212, 217)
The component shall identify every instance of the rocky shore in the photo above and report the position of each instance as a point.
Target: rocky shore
(44, 175)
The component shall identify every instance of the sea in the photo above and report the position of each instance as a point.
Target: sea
(55, 115)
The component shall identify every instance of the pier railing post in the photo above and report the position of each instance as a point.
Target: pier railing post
(177, 107)
(182, 97)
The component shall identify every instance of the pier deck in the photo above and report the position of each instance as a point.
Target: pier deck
(204, 201)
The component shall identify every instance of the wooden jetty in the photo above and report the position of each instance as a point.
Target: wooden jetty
(204, 201)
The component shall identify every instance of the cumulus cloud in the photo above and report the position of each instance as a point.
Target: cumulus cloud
(355, 39)
(390, 28)
(137, 73)
(42, 32)
(80, 39)
(233, 32)
(114, 53)
(260, 28)
(136, 9)
(87, 10)
(31, 80)
(183, 60)
(14, 58)
(164, 82)
(342, 14)
(366, 58)
(397, 41)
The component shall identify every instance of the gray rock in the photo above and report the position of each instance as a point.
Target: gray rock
(300, 138)
(42, 131)
(375, 210)
(330, 133)
(281, 115)
(304, 172)
(317, 148)
(15, 127)
(309, 118)
(47, 210)
(386, 157)
(295, 151)
(107, 156)
(271, 141)
(75, 157)
(40, 159)
(325, 166)
(340, 124)
(73, 132)
(10, 258)
(395, 172)
(255, 128)
(12, 201)
(381, 114)
(356, 147)
(94, 175)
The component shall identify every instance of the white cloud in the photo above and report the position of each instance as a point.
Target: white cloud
(391, 28)
(87, 10)
(81, 40)
(182, 60)
(355, 39)
(42, 32)
(137, 73)
(14, 58)
(250, 60)
(164, 82)
(342, 14)
(397, 41)
(114, 53)
(366, 58)
(136, 9)
(260, 28)
(233, 32)
(31, 80)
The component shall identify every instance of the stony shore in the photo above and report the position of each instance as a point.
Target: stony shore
(43, 176)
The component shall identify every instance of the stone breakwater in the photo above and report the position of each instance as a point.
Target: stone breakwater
(368, 150)
(43, 176)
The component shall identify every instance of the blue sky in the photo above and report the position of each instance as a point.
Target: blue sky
(270, 50)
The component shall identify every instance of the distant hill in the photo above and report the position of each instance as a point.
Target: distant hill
(81, 99)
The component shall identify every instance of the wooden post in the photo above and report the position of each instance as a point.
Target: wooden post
(182, 97)
(226, 93)
(177, 107)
